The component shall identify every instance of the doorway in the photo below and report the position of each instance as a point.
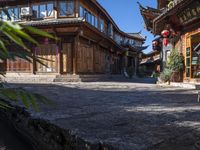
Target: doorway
(66, 65)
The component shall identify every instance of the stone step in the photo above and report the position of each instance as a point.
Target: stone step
(67, 80)
(28, 78)
(86, 78)
(45, 78)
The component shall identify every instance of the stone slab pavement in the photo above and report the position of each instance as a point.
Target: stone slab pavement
(129, 116)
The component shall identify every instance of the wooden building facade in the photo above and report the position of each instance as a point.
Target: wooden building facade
(150, 63)
(180, 20)
(90, 41)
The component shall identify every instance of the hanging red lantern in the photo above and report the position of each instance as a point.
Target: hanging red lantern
(165, 41)
(155, 43)
(165, 33)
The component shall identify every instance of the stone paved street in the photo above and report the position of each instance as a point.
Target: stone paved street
(130, 116)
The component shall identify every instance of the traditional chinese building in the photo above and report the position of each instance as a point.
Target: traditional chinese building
(90, 41)
(177, 22)
(150, 63)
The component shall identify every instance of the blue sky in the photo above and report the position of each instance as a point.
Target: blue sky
(126, 15)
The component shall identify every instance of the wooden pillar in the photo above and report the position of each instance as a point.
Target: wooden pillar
(136, 67)
(59, 57)
(77, 4)
(56, 10)
(95, 48)
(33, 65)
(74, 54)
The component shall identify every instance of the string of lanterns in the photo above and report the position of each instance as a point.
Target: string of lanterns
(165, 34)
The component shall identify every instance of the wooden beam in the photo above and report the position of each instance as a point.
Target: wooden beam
(74, 54)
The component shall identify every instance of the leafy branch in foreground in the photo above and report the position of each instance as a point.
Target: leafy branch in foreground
(13, 32)
(19, 94)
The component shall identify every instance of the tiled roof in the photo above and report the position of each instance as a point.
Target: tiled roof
(140, 48)
(149, 61)
(137, 35)
(52, 21)
(148, 14)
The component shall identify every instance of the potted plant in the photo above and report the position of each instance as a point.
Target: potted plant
(165, 76)
(176, 64)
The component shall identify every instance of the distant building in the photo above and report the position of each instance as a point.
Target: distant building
(150, 63)
(177, 22)
(91, 42)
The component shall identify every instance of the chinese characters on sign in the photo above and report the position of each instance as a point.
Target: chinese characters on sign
(191, 13)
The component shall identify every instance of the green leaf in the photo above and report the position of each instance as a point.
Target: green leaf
(24, 97)
(13, 25)
(33, 101)
(41, 98)
(2, 45)
(14, 38)
(9, 94)
(4, 105)
(26, 36)
(39, 32)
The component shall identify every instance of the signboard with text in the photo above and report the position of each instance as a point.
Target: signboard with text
(192, 12)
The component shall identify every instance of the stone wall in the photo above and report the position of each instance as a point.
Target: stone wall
(45, 136)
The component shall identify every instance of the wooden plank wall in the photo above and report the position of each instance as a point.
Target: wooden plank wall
(91, 58)
(67, 58)
(18, 65)
(85, 58)
(48, 52)
(100, 60)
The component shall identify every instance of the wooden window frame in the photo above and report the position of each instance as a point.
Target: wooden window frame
(44, 3)
(67, 16)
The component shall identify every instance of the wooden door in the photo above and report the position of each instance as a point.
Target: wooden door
(66, 58)
(48, 54)
(99, 60)
(85, 59)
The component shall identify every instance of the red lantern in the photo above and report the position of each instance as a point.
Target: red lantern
(165, 33)
(155, 43)
(165, 41)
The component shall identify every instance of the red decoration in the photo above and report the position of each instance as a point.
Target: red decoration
(111, 50)
(46, 41)
(165, 33)
(155, 43)
(165, 41)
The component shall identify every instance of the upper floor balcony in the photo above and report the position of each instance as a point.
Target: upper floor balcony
(52, 12)
(38, 11)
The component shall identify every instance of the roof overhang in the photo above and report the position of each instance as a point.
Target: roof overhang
(149, 14)
(177, 16)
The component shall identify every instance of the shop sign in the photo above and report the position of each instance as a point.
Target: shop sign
(190, 13)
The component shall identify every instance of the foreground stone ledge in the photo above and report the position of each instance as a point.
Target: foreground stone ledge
(42, 135)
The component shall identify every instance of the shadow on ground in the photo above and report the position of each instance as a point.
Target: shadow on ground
(129, 116)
